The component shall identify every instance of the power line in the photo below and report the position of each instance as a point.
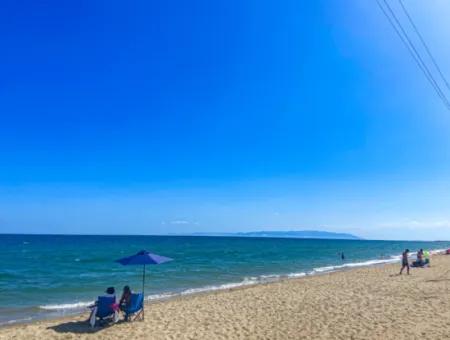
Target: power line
(413, 51)
(425, 45)
(424, 66)
(409, 48)
(400, 35)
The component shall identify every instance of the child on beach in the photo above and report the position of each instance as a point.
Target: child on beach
(405, 262)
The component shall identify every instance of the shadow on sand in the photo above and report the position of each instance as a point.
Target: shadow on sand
(80, 327)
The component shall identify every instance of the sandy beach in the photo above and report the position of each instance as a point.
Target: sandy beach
(365, 303)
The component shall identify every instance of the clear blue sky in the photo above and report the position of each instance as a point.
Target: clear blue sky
(174, 116)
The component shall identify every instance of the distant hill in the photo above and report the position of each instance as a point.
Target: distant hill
(288, 234)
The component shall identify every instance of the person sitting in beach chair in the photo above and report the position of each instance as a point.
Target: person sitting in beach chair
(125, 299)
(135, 308)
(104, 308)
(419, 262)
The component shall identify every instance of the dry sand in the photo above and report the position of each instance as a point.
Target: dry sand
(367, 303)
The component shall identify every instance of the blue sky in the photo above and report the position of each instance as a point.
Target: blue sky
(173, 117)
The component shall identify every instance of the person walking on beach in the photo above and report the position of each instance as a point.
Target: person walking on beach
(405, 262)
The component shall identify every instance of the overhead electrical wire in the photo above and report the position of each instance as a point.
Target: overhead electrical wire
(413, 51)
(422, 63)
(424, 44)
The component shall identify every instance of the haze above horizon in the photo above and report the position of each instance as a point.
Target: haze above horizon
(177, 117)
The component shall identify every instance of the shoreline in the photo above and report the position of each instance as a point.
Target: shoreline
(179, 297)
(246, 283)
(285, 290)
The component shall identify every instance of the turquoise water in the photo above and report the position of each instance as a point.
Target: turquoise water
(44, 276)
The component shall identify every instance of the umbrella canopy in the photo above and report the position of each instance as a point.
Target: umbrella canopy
(143, 258)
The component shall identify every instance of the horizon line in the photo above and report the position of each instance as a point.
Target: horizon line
(224, 236)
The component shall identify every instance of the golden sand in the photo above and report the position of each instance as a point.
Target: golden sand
(366, 303)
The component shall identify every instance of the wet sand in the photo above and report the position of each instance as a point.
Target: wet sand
(365, 303)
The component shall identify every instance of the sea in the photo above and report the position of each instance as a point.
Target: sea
(49, 276)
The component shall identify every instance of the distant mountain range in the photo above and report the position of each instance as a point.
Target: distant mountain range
(288, 234)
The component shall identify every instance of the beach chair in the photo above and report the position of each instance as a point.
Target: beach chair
(136, 308)
(104, 309)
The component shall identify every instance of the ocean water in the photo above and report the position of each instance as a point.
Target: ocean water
(46, 276)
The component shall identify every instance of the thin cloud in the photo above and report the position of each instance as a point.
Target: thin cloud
(178, 222)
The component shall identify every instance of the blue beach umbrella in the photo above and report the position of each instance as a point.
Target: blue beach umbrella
(143, 258)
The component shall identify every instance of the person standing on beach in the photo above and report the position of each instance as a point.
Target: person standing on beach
(405, 262)
(426, 256)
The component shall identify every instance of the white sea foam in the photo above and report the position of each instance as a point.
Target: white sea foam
(160, 296)
(155, 297)
(368, 263)
(438, 251)
(10, 322)
(270, 277)
(67, 306)
(248, 281)
(293, 275)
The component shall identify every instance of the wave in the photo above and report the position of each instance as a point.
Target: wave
(10, 322)
(301, 274)
(247, 281)
(327, 269)
(438, 251)
(67, 306)
(391, 259)
(162, 296)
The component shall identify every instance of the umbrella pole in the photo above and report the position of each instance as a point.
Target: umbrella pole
(143, 281)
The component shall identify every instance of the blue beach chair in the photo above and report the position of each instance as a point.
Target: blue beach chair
(136, 308)
(104, 309)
